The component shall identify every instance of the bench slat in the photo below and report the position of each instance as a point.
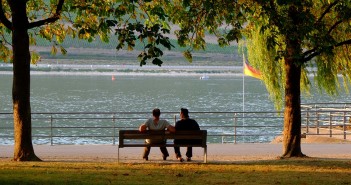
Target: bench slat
(159, 145)
(133, 136)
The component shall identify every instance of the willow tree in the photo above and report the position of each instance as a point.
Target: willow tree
(284, 38)
(287, 37)
(23, 21)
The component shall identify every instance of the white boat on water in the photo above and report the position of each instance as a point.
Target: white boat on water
(204, 77)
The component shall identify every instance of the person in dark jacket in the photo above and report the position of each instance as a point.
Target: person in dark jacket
(185, 123)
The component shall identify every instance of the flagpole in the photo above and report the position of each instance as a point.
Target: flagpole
(243, 88)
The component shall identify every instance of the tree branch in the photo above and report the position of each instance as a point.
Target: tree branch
(314, 52)
(3, 18)
(346, 42)
(51, 19)
(327, 10)
(308, 53)
(334, 26)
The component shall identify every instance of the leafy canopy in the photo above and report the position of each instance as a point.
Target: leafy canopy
(322, 29)
(129, 20)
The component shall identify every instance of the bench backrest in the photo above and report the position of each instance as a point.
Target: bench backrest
(135, 134)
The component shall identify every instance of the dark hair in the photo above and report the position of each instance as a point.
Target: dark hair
(185, 112)
(156, 112)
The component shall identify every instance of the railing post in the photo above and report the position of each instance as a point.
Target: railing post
(175, 119)
(114, 130)
(330, 124)
(307, 119)
(235, 126)
(51, 131)
(317, 122)
(344, 124)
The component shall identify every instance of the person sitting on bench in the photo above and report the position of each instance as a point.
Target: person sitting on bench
(156, 123)
(185, 123)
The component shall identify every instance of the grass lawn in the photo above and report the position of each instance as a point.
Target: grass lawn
(288, 171)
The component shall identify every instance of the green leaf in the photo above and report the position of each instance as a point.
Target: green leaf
(53, 50)
(166, 43)
(222, 42)
(158, 52)
(63, 50)
(157, 61)
(111, 23)
(187, 54)
(34, 57)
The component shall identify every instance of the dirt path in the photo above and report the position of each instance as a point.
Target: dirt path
(216, 152)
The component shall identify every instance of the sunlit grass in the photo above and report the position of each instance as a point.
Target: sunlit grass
(302, 171)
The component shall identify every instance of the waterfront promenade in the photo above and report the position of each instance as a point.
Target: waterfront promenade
(221, 153)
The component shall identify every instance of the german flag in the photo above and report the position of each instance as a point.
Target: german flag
(250, 71)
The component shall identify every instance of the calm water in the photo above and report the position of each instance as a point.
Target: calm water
(143, 93)
(139, 93)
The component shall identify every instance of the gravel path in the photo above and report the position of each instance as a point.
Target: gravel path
(216, 152)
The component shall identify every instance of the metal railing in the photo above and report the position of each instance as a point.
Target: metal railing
(327, 119)
(223, 127)
(103, 127)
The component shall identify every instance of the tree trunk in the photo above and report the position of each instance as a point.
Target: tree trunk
(292, 112)
(23, 149)
(292, 65)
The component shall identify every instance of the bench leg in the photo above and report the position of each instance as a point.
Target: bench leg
(205, 155)
(118, 155)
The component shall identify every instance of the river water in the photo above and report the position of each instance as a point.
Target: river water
(142, 93)
(139, 93)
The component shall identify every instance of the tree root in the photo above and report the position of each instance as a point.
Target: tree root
(32, 157)
(300, 155)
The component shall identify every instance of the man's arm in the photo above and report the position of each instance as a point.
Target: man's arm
(171, 128)
(142, 128)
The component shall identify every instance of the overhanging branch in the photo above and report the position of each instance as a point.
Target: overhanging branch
(346, 42)
(51, 19)
(315, 52)
(327, 10)
(334, 26)
(3, 18)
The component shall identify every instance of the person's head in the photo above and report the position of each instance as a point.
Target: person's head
(184, 113)
(156, 113)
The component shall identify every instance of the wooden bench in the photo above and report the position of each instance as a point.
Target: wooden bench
(135, 138)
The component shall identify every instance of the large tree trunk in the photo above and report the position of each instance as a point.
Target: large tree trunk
(292, 112)
(292, 65)
(23, 149)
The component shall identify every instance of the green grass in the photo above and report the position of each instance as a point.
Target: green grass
(292, 171)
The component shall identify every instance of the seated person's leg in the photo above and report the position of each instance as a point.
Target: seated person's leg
(146, 153)
(164, 152)
(189, 153)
